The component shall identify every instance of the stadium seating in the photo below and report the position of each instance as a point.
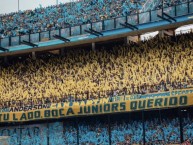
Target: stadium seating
(74, 13)
(156, 65)
(124, 132)
(26, 134)
(124, 129)
(167, 131)
(62, 134)
(93, 130)
(168, 3)
(160, 64)
(188, 128)
(60, 16)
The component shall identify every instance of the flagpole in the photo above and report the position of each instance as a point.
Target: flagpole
(18, 5)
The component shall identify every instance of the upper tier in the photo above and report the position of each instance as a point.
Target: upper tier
(75, 13)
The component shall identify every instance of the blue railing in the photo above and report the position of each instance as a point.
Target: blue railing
(104, 25)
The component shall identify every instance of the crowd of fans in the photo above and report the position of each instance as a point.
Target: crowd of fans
(92, 131)
(63, 133)
(63, 15)
(74, 13)
(160, 64)
(127, 132)
(188, 127)
(30, 135)
(168, 131)
(123, 129)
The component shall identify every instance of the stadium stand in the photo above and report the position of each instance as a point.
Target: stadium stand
(59, 136)
(161, 127)
(153, 66)
(74, 13)
(97, 128)
(157, 65)
(188, 127)
(127, 129)
(63, 15)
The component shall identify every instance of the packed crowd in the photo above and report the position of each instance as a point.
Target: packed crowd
(169, 3)
(92, 131)
(160, 64)
(63, 133)
(188, 127)
(63, 15)
(166, 131)
(123, 129)
(74, 13)
(127, 132)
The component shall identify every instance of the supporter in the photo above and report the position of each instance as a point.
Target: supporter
(62, 134)
(157, 65)
(188, 128)
(120, 129)
(92, 132)
(127, 132)
(168, 131)
(169, 3)
(74, 13)
(60, 16)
